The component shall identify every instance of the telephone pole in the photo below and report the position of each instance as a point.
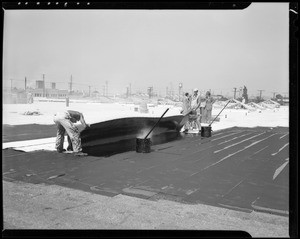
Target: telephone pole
(172, 90)
(234, 94)
(260, 93)
(71, 84)
(179, 91)
(106, 83)
(44, 87)
(240, 91)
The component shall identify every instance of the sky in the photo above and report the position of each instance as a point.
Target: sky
(215, 49)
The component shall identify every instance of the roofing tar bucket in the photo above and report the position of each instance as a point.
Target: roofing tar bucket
(143, 145)
(206, 131)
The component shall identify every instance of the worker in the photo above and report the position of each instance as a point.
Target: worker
(208, 107)
(195, 107)
(29, 98)
(65, 123)
(186, 109)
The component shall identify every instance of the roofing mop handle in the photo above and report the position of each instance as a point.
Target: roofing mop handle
(219, 113)
(156, 123)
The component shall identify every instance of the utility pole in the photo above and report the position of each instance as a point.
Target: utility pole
(106, 83)
(234, 92)
(25, 83)
(71, 84)
(150, 90)
(172, 91)
(260, 93)
(179, 91)
(44, 89)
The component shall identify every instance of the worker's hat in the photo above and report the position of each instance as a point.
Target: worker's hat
(195, 89)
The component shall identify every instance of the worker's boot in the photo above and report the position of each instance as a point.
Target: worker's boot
(60, 150)
(80, 154)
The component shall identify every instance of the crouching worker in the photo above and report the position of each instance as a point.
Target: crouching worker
(65, 123)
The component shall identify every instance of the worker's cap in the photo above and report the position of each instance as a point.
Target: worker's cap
(195, 89)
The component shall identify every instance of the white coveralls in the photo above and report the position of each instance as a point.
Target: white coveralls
(196, 110)
(63, 122)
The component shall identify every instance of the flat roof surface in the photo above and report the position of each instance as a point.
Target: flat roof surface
(245, 169)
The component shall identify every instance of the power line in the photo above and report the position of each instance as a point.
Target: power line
(13, 80)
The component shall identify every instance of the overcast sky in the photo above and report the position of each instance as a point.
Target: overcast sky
(215, 49)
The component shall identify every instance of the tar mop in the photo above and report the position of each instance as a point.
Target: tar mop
(143, 145)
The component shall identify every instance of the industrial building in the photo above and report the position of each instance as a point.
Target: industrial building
(42, 91)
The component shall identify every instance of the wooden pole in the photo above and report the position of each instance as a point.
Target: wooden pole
(260, 93)
(156, 123)
(44, 87)
(234, 92)
(219, 113)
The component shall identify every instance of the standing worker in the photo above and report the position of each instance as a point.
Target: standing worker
(195, 106)
(65, 123)
(29, 98)
(208, 107)
(186, 109)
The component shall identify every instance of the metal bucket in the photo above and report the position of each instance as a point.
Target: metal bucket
(206, 131)
(143, 145)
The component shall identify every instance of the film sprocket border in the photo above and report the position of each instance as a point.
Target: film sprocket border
(124, 5)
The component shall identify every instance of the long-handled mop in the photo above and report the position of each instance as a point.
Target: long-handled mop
(143, 144)
(206, 130)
